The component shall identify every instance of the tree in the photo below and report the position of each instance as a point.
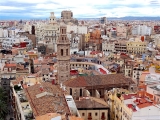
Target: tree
(3, 96)
(3, 104)
(3, 109)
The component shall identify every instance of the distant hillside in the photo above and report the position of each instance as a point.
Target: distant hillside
(109, 18)
(124, 18)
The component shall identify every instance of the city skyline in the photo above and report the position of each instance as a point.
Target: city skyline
(16, 9)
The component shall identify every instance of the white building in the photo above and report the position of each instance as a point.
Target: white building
(1, 32)
(16, 41)
(77, 29)
(141, 30)
(108, 46)
(141, 111)
(27, 27)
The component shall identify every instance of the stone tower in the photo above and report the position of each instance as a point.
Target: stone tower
(52, 18)
(63, 56)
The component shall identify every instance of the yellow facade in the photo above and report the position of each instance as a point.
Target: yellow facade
(96, 114)
(87, 37)
(117, 107)
(136, 47)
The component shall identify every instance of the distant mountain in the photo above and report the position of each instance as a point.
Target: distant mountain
(125, 18)
(109, 18)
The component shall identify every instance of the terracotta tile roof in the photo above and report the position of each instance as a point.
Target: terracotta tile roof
(77, 82)
(8, 65)
(46, 103)
(19, 66)
(129, 96)
(36, 61)
(45, 71)
(47, 116)
(36, 69)
(45, 66)
(30, 52)
(18, 80)
(99, 80)
(90, 103)
(14, 51)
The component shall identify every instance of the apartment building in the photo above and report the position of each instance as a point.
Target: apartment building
(141, 30)
(137, 72)
(155, 91)
(132, 106)
(136, 47)
(103, 20)
(78, 29)
(87, 37)
(108, 46)
(120, 46)
(121, 31)
(39, 31)
(157, 29)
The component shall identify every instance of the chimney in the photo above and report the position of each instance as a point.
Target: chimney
(61, 85)
(64, 88)
(41, 88)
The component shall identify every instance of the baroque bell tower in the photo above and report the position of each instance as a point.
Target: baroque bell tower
(52, 18)
(63, 56)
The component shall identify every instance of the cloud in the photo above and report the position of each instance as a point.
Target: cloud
(87, 8)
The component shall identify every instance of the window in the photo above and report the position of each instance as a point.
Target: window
(83, 114)
(61, 52)
(96, 114)
(103, 116)
(66, 51)
(80, 92)
(71, 92)
(89, 114)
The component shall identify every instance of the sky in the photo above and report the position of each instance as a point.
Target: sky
(28, 9)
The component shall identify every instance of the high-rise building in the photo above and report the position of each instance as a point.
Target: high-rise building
(63, 56)
(103, 20)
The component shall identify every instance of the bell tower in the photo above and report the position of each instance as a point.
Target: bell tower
(63, 56)
(52, 18)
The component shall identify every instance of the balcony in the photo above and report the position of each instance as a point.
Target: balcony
(24, 106)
